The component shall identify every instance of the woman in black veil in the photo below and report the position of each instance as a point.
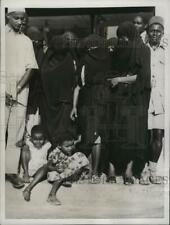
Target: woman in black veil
(91, 97)
(130, 98)
(58, 80)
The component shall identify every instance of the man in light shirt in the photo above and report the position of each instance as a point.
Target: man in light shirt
(20, 60)
(156, 111)
(141, 25)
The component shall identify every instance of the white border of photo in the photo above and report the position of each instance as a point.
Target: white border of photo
(162, 9)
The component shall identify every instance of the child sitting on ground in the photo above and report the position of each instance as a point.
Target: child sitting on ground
(34, 153)
(64, 164)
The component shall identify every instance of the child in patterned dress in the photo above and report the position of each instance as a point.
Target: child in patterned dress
(64, 163)
(34, 153)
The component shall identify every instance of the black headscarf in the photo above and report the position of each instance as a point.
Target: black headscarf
(58, 81)
(127, 29)
(125, 51)
(93, 45)
(58, 72)
(96, 58)
(129, 57)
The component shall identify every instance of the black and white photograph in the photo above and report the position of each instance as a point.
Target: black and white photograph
(85, 126)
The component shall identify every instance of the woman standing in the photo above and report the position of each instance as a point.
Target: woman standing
(58, 81)
(91, 97)
(130, 97)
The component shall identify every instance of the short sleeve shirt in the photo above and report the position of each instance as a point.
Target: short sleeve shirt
(157, 80)
(19, 56)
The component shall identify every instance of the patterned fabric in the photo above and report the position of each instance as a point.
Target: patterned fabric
(65, 165)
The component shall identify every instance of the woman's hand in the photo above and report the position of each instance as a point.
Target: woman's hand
(73, 114)
(114, 81)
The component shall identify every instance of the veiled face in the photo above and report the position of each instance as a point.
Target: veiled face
(17, 20)
(59, 45)
(123, 41)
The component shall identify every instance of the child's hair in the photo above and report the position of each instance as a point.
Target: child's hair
(37, 129)
(65, 136)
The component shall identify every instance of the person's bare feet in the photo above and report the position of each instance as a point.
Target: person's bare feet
(53, 200)
(26, 178)
(26, 194)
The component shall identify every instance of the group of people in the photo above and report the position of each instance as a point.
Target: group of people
(101, 105)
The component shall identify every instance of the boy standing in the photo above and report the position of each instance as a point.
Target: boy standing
(156, 111)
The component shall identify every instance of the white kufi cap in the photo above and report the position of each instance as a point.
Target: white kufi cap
(10, 10)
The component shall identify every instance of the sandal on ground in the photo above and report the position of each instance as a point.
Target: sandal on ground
(144, 181)
(156, 180)
(95, 179)
(128, 180)
(111, 180)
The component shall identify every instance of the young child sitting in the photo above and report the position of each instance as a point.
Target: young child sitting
(34, 153)
(64, 164)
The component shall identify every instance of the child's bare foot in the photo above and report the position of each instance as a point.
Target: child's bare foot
(26, 194)
(26, 178)
(53, 200)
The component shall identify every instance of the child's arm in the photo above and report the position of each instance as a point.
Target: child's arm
(49, 151)
(53, 167)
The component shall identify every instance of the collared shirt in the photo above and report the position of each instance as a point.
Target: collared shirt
(163, 42)
(19, 57)
(157, 80)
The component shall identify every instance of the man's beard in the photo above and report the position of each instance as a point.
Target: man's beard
(19, 29)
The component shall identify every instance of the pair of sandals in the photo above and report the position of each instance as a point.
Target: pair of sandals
(150, 180)
(128, 180)
(96, 179)
(112, 180)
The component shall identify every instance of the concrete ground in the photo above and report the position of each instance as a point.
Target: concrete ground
(89, 201)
